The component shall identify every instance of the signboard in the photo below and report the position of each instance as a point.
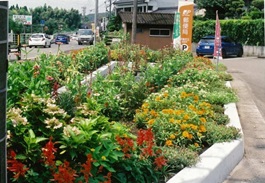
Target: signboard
(176, 31)
(185, 10)
(24, 19)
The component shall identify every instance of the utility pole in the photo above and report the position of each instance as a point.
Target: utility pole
(134, 22)
(84, 13)
(3, 87)
(95, 21)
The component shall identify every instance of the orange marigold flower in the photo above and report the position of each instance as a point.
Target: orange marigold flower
(202, 128)
(169, 143)
(151, 121)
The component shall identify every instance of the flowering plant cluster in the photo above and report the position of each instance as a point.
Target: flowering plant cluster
(86, 133)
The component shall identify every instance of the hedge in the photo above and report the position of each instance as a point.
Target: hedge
(247, 32)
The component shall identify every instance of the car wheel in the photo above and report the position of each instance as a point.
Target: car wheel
(79, 43)
(50, 45)
(240, 53)
(30, 46)
(224, 55)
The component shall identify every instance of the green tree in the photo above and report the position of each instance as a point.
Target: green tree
(211, 6)
(259, 4)
(234, 8)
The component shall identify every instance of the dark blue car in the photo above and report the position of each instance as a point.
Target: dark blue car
(229, 47)
(63, 38)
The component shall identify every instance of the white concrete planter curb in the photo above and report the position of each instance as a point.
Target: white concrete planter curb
(219, 160)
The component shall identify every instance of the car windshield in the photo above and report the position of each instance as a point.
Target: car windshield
(37, 36)
(207, 41)
(85, 32)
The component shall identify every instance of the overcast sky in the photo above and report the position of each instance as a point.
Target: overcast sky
(65, 4)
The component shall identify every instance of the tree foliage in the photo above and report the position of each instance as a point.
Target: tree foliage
(254, 9)
(234, 9)
(55, 19)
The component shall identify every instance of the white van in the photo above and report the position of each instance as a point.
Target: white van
(85, 36)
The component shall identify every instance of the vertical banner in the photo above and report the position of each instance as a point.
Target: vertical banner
(186, 11)
(176, 31)
(217, 39)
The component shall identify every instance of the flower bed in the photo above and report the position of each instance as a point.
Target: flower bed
(116, 128)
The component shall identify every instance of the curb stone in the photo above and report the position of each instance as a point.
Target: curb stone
(219, 160)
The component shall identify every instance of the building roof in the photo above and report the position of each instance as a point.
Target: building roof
(149, 18)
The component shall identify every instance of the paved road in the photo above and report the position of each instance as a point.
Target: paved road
(249, 82)
(29, 53)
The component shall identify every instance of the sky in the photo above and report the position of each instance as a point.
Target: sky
(65, 4)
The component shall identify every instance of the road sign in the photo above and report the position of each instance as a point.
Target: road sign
(42, 22)
(24, 19)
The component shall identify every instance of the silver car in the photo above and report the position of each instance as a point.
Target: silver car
(39, 39)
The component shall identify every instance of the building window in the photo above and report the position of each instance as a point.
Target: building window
(150, 8)
(160, 32)
(139, 30)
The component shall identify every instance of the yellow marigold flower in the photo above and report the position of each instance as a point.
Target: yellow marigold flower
(185, 134)
(178, 121)
(171, 120)
(145, 105)
(186, 117)
(191, 107)
(169, 143)
(200, 112)
(196, 144)
(178, 112)
(202, 128)
(153, 113)
(165, 94)
(183, 94)
(194, 127)
(92, 150)
(146, 111)
(157, 98)
(183, 127)
(203, 120)
(103, 158)
(196, 98)
(151, 122)
(172, 136)
(168, 111)
(190, 136)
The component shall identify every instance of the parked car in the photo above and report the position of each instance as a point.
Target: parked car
(39, 39)
(63, 38)
(85, 36)
(229, 47)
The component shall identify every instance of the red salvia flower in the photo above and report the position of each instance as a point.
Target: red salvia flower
(126, 144)
(160, 162)
(18, 168)
(145, 138)
(55, 89)
(65, 174)
(48, 153)
(108, 177)
(87, 167)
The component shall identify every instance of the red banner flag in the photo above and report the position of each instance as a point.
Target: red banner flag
(217, 40)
